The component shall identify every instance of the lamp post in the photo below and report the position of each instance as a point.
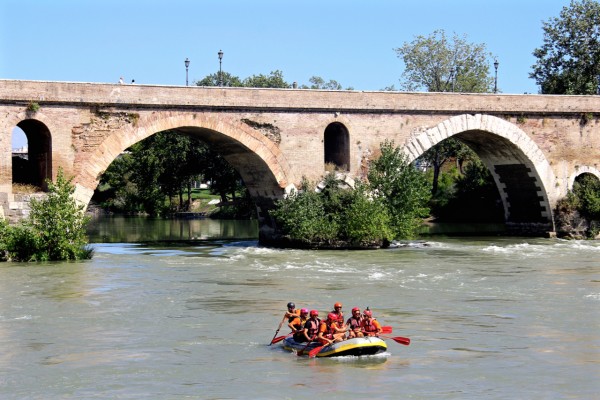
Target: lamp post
(187, 65)
(496, 76)
(220, 53)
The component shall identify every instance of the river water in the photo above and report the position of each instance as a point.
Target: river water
(492, 318)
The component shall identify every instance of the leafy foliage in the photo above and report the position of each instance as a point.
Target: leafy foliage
(436, 63)
(273, 80)
(164, 166)
(587, 191)
(302, 216)
(54, 230)
(390, 205)
(569, 60)
(579, 212)
(474, 197)
(403, 189)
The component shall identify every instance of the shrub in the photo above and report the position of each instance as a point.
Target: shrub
(403, 189)
(54, 230)
(391, 205)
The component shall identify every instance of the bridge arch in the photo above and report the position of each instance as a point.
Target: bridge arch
(580, 171)
(36, 167)
(259, 161)
(336, 143)
(522, 174)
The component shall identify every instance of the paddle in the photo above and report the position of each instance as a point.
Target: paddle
(386, 329)
(314, 351)
(280, 338)
(399, 339)
(301, 352)
(277, 331)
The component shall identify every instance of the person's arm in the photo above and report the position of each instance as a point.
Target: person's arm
(320, 336)
(378, 326)
(291, 326)
(305, 332)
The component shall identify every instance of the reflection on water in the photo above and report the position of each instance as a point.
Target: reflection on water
(136, 229)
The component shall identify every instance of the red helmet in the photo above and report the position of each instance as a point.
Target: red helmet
(355, 309)
(304, 311)
(338, 304)
(314, 313)
(368, 313)
(332, 316)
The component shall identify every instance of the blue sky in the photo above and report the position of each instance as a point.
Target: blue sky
(350, 41)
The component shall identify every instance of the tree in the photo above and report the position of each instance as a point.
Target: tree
(213, 80)
(437, 64)
(55, 229)
(316, 82)
(439, 154)
(402, 187)
(569, 60)
(273, 80)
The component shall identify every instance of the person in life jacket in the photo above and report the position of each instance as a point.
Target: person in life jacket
(370, 326)
(354, 324)
(291, 312)
(311, 327)
(337, 310)
(329, 331)
(297, 325)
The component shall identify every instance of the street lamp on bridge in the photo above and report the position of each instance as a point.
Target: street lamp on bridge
(187, 64)
(496, 76)
(220, 53)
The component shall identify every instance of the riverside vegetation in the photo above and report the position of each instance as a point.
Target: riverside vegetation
(54, 230)
(390, 204)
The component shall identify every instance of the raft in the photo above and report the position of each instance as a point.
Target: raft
(366, 346)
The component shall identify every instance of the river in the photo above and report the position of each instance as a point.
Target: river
(493, 318)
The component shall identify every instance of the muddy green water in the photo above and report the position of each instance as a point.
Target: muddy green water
(492, 318)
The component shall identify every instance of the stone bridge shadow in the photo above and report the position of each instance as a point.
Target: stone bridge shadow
(519, 168)
(258, 160)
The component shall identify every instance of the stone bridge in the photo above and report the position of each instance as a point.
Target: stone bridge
(534, 145)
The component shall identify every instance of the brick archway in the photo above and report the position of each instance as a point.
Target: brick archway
(583, 170)
(260, 162)
(522, 174)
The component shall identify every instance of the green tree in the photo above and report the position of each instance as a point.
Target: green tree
(568, 62)
(302, 217)
(273, 80)
(214, 80)
(475, 197)
(54, 230)
(366, 221)
(436, 63)
(442, 152)
(404, 190)
(316, 82)
(587, 190)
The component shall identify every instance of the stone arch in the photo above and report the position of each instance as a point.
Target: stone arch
(580, 171)
(522, 173)
(336, 146)
(258, 160)
(37, 166)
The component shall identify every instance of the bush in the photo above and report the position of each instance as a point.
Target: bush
(403, 189)
(54, 230)
(302, 217)
(366, 221)
(391, 205)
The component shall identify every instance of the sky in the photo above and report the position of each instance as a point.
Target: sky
(350, 41)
